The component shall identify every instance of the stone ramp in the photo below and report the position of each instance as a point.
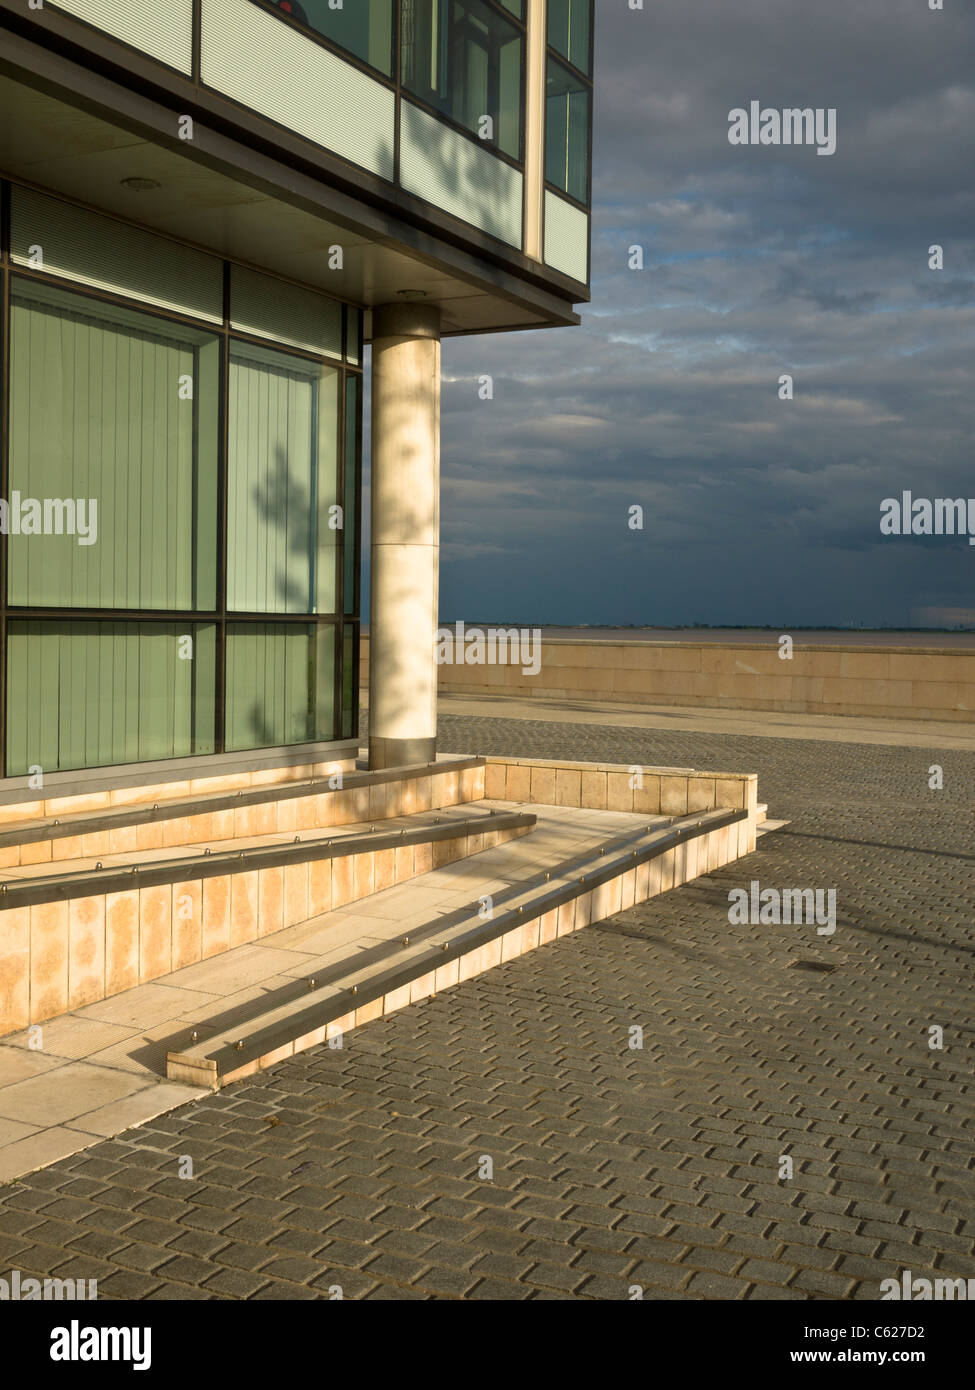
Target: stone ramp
(370, 977)
(118, 980)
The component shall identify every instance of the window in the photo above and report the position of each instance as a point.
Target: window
(112, 413)
(181, 525)
(89, 694)
(283, 535)
(270, 308)
(464, 58)
(567, 132)
(362, 27)
(280, 684)
(569, 29)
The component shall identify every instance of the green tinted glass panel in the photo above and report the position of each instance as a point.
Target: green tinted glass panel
(517, 7)
(362, 27)
(280, 684)
(351, 513)
(464, 59)
(568, 30)
(109, 255)
(89, 694)
(113, 456)
(567, 132)
(282, 447)
(285, 313)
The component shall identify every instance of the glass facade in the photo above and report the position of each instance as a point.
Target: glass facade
(85, 693)
(179, 512)
(464, 58)
(465, 61)
(567, 102)
(280, 684)
(283, 484)
(363, 28)
(570, 30)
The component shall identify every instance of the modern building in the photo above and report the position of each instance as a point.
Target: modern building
(208, 208)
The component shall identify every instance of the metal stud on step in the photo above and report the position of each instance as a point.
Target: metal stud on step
(239, 1045)
(194, 1036)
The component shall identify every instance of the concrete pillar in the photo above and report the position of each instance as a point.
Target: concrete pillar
(405, 492)
(535, 65)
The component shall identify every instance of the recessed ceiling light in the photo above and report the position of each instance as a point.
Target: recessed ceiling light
(412, 294)
(139, 185)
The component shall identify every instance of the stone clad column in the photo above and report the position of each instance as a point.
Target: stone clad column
(405, 546)
(535, 67)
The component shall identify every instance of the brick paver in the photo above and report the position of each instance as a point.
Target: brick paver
(613, 1167)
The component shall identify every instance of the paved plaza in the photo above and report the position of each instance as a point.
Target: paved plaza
(507, 1139)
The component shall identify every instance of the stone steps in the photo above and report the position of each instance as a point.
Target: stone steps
(105, 929)
(447, 949)
(325, 801)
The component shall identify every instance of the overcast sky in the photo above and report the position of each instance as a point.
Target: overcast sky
(759, 261)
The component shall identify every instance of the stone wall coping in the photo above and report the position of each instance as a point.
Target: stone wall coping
(846, 649)
(797, 642)
(624, 768)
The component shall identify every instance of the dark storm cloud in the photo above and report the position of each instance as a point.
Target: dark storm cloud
(758, 262)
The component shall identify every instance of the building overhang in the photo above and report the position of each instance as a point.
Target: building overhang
(73, 122)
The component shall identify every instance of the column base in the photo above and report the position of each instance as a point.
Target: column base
(400, 752)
